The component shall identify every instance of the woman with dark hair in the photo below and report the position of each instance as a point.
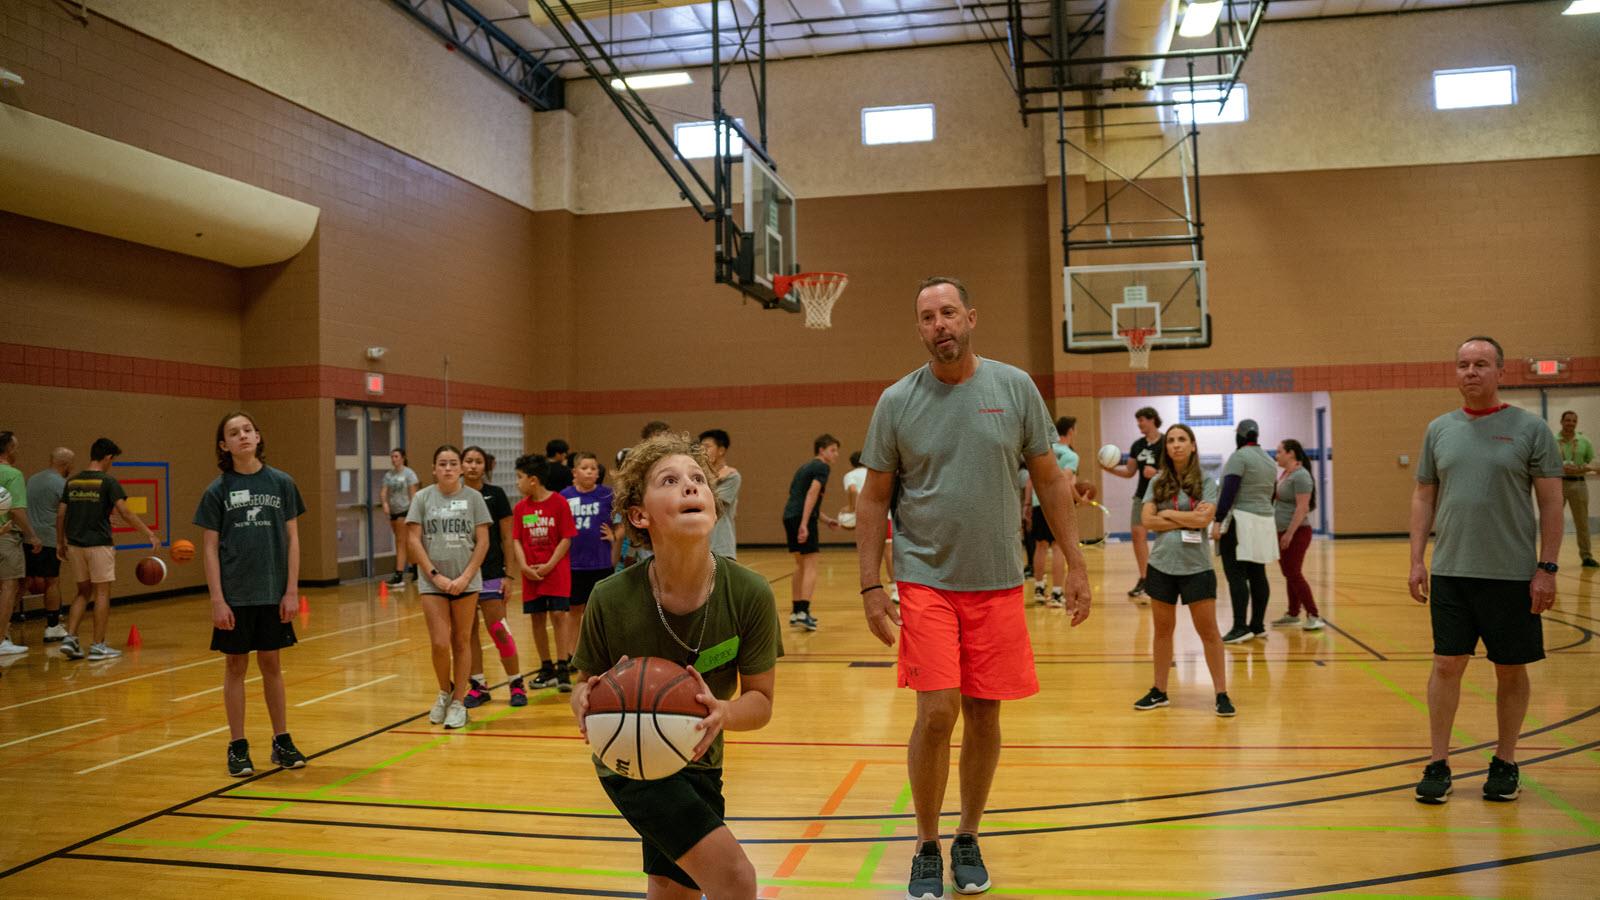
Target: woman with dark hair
(1248, 540)
(1295, 498)
(399, 486)
(1178, 506)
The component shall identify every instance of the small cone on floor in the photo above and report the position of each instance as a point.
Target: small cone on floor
(305, 605)
(383, 589)
(134, 640)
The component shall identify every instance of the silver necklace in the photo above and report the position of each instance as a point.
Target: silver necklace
(655, 594)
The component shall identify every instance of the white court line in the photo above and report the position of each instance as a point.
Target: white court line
(202, 662)
(368, 649)
(48, 733)
(210, 691)
(144, 753)
(345, 691)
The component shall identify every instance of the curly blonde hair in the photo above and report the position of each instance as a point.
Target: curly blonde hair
(632, 478)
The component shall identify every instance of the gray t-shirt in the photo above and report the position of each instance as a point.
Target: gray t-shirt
(250, 514)
(1484, 466)
(45, 488)
(1293, 486)
(1256, 472)
(399, 485)
(724, 542)
(954, 449)
(1172, 555)
(449, 532)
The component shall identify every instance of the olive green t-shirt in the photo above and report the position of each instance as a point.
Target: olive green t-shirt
(1290, 489)
(741, 633)
(1484, 466)
(1256, 472)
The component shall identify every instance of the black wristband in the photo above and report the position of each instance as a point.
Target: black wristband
(867, 590)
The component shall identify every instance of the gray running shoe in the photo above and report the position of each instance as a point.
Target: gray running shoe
(927, 874)
(966, 865)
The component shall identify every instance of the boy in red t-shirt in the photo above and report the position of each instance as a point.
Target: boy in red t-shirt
(542, 530)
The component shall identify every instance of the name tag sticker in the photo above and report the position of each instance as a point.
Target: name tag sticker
(718, 656)
(530, 520)
(1192, 537)
(238, 498)
(458, 504)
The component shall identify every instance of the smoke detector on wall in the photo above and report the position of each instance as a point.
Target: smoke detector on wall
(9, 78)
(376, 353)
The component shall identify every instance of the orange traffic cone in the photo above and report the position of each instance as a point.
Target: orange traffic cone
(134, 640)
(305, 607)
(383, 589)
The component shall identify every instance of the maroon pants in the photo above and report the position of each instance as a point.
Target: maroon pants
(1289, 561)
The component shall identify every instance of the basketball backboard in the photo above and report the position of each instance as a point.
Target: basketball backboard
(769, 228)
(1167, 300)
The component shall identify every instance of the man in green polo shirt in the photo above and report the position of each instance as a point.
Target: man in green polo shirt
(1494, 569)
(1577, 461)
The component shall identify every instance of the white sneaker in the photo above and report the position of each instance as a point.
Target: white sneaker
(103, 651)
(457, 716)
(70, 648)
(55, 633)
(436, 715)
(1313, 623)
(7, 648)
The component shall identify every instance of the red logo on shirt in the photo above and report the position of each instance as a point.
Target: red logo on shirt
(1505, 437)
(990, 411)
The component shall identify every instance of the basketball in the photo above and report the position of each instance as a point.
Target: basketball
(1087, 491)
(847, 519)
(1109, 455)
(641, 718)
(182, 551)
(150, 570)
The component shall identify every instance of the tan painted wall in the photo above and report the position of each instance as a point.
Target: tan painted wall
(364, 64)
(1371, 430)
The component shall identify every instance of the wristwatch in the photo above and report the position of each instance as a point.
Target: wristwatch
(432, 572)
(1550, 567)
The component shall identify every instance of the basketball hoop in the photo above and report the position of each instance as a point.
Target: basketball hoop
(1138, 349)
(817, 292)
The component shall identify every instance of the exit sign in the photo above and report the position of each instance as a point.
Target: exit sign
(375, 384)
(1554, 367)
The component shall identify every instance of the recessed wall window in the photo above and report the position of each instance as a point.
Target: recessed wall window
(698, 140)
(1464, 88)
(1207, 110)
(897, 124)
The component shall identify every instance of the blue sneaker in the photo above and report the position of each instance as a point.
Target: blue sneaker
(927, 874)
(966, 865)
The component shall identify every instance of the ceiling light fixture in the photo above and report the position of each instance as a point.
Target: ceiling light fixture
(659, 80)
(1200, 19)
(1582, 8)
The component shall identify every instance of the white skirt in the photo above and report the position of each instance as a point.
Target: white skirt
(1258, 537)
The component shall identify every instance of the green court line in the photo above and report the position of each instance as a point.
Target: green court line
(1588, 825)
(886, 828)
(1558, 734)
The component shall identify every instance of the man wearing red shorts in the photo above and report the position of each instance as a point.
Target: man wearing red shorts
(951, 433)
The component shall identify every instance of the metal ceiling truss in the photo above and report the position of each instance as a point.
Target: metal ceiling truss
(468, 31)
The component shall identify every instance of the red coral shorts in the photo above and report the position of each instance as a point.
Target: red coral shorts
(973, 640)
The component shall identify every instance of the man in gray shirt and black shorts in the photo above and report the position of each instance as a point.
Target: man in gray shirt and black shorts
(1478, 466)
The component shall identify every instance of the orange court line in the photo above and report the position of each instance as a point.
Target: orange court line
(834, 801)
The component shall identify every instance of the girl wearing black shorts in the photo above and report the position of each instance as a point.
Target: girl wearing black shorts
(1179, 506)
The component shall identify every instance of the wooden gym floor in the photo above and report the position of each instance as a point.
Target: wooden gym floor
(114, 778)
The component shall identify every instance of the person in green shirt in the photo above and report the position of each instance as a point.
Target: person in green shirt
(1577, 461)
(711, 615)
(15, 528)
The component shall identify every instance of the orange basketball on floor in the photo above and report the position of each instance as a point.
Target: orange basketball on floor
(641, 718)
(182, 551)
(150, 570)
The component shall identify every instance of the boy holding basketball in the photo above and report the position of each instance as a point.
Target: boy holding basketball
(712, 616)
(252, 562)
(83, 527)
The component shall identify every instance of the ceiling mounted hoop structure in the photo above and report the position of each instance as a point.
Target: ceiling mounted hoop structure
(817, 291)
(1138, 346)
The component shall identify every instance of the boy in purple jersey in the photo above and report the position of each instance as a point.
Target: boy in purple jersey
(591, 550)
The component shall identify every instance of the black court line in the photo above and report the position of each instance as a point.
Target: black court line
(1418, 876)
(1355, 640)
(1568, 612)
(1588, 635)
(357, 876)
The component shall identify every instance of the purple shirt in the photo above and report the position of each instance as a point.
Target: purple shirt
(589, 550)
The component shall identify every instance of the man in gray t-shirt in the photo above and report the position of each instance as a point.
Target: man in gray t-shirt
(1493, 572)
(45, 488)
(951, 433)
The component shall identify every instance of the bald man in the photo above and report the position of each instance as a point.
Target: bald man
(44, 496)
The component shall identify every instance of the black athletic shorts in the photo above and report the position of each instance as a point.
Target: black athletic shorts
(254, 628)
(1499, 612)
(583, 582)
(1169, 588)
(671, 814)
(1040, 529)
(791, 533)
(44, 564)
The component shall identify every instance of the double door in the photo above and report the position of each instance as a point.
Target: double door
(363, 436)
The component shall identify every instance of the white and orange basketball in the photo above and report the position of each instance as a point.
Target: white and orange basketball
(642, 717)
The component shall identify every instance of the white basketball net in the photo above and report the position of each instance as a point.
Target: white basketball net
(817, 292)
(1138, 347)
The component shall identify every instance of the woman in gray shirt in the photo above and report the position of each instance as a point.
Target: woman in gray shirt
(1294, 499)
(448, 526)
(1179, 505)
(399, 486)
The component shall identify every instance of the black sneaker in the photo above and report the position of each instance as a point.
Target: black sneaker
(396, 580)
(1038, 595)
(1224, 705)
(1156, 697)
(563, 677)
(546, 676)
(1434, 788)
(1502, 784)
(286, 754)
(1138, 589)
(966, 865)
(239, 764)
(927, 874)
(1238, 636)
(1589, 563)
